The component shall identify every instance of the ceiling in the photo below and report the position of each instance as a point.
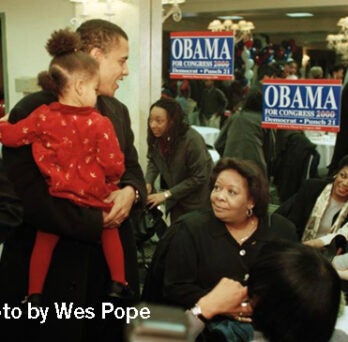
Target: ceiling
(268, 17)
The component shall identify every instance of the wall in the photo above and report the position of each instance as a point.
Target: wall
(30, 23)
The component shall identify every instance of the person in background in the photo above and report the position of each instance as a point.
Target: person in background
(316, 72)
(291, 70)
(77, 151)
(183, 97)
(165, 91)
(225, 241)
(341, 146)
(337, 71)
(178, 154)
(79, 272)
(235, 93)
(242, 135)
(212, 105)
(320, 206)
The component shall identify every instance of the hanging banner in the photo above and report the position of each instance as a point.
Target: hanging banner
(302, 104)
(201, 55)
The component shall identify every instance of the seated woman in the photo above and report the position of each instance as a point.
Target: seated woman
(179, 155)
(320, 206)
(225, 241)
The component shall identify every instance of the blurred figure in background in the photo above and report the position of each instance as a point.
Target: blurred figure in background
(178, 154)
(291, 70)
(212, 105)
(337, 71)
(316, 72)
(242, 136)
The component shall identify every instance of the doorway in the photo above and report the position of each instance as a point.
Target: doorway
(3, 68)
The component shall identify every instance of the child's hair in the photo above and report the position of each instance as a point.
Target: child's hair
(68, 59)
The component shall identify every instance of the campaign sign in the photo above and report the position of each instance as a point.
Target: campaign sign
(201, 55)
(302, 104)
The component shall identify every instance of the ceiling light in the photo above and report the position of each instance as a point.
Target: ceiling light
(172, 2)
(189, 15)
(300, 15)
(241, 30)
(231, 17)
(339, 41)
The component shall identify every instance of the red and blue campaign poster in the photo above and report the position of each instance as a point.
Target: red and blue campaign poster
(302, 104)
(201, 55)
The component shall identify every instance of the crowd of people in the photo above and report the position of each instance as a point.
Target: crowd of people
(72, 189)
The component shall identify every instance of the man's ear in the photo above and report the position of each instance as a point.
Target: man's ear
(78, 85)
(96, 53)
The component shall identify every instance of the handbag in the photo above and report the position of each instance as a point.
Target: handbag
(149, 222)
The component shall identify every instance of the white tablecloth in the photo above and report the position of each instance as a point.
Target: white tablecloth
(325, 146)
(209, 134)
(342, 322)
(214, 154)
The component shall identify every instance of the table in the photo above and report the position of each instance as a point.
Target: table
(342, 322)
(209, 134)
(325, 146)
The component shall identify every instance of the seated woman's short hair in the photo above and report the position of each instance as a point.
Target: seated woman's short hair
(295, 293)
(257, 183)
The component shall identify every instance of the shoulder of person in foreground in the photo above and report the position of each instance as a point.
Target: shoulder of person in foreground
(282, 228)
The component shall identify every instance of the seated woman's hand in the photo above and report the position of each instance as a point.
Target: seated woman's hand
(229, 298)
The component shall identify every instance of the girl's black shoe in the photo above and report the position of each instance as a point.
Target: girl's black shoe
(34, 299)
(118, 290)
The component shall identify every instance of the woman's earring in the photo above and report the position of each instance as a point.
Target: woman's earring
(250, 212)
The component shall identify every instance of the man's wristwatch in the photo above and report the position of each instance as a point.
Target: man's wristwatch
(197, 311)
(166, 194)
